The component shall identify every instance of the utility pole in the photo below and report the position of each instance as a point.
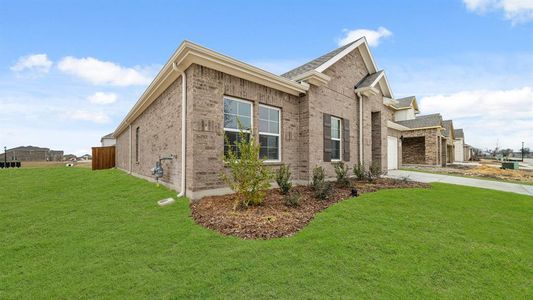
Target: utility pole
(522, 151)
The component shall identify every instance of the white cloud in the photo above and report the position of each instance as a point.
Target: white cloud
(96, 117)
(34, 63)
(518, 11)
(102, 98)
(373, 37)
(487, 116)
(102, 72)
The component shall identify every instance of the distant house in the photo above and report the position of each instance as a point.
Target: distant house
(108, 140)
(69, 157)
(85, 157)
(32, 153)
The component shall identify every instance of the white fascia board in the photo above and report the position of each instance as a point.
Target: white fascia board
(189, 53)
(369, 61)
(384, 85)
(313, 77)
(396, 126)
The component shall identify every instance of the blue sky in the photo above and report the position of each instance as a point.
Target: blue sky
(70, 70)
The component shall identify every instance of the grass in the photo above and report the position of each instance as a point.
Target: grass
(467, 176)
(75, 233)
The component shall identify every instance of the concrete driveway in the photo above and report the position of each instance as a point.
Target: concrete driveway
(474, 182)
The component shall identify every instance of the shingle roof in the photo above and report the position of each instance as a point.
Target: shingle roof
(423, 121)
(28, 148)
(459, 133)
(448, 125)
(315, 63)
(369, 80)
(405, 102)
(108, 136)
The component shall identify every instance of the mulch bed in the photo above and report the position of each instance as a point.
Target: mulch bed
(274, 218)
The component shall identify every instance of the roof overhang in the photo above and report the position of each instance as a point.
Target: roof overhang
(396, 126)
(368, 59)
(313, 77)
(189, 53)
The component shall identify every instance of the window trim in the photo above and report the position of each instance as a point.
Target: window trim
(337, 139)
(251, 114)
(272, 134)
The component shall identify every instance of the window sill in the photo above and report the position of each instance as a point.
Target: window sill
(273, 163)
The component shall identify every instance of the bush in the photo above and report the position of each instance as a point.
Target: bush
(359, 171)
(283, 178)
(374, 172)
(292, 198)
(319, 184)
(249, 178)
(342, 174)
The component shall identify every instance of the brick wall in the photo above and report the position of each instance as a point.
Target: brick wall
(159, 133)
(207, 88)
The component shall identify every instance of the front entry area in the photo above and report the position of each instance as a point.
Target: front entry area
(392, 153)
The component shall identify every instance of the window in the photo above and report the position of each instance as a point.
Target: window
(336, 132)
(137, 144)
(269, 137)
(236, 112)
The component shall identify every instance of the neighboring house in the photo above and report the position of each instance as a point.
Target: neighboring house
(32, 153)
(449, 134)
(423, 141)
(85, 157)
(108, 140)
(461, 149)
(70, 157)
(338, 107)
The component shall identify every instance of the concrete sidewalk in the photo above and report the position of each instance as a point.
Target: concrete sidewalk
(474, 182)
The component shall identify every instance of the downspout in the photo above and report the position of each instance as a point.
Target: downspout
(131, 160)
(183, 125)
(360, 97)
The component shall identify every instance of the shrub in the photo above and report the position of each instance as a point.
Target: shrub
(359, 171)
(283, 178)
(342, 174)
(249, 177)
(292, 198)
(319, 184)
(374, 172)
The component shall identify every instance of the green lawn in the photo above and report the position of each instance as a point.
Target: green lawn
(75, 233)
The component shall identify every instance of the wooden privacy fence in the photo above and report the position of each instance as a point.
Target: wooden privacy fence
(103, 157)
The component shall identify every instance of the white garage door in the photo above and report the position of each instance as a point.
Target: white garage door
(392, 153)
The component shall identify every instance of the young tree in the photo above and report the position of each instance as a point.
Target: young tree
(249, 178)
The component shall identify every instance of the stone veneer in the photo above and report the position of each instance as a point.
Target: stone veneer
(411, 150)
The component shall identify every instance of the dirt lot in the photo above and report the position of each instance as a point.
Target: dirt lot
(484, 169)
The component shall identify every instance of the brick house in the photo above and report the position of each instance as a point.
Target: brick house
(423, 140)
(338, 107)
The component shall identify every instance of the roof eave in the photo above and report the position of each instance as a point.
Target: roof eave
(189, 53)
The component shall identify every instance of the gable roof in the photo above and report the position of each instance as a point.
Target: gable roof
(432, 120)
(448, 128)
(315, 63)
(325, 61)
(459, 133)
(370, 80)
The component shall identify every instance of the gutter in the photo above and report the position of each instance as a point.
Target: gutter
(183, 126)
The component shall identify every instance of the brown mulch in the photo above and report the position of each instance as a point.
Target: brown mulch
(273, 218)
